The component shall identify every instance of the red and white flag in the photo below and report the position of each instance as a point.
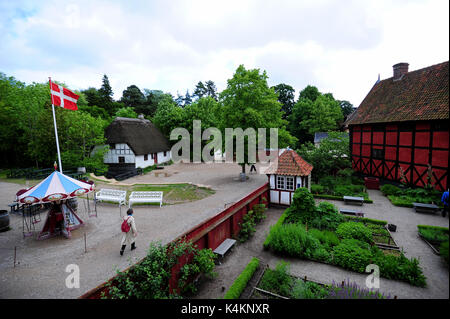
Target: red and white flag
(63, 97)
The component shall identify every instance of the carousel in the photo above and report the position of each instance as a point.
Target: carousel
(59, 192)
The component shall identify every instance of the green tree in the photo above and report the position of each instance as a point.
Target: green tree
(248, 102)
(200, 90)
(106, 95)
(347, 108)
(308, 116)
(211, 89)
(332, 155)
(168, 116)
(286, 96)
(126, 112)
(133, 97)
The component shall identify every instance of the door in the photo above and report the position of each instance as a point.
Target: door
(155, 158)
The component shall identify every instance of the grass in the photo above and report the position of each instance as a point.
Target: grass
(176, 193)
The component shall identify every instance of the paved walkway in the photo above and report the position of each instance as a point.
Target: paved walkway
(406, 237)
(41, 272)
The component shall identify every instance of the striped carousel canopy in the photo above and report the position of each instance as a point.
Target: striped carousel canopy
(57, 186)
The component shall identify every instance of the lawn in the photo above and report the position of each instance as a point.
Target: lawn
(175, 193)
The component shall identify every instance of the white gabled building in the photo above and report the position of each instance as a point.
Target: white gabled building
(287, 173)
(135, 143)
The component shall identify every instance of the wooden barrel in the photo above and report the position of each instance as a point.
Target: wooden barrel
(4, 220)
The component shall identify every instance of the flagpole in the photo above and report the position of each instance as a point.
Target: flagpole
(56, 129)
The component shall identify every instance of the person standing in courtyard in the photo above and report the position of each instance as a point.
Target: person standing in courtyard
(445, 201)
(129, 231)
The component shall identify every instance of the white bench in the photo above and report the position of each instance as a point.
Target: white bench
(111, 195)
(145, 197)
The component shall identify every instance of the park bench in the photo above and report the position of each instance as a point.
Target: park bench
(111, 195)
(425, 208)
(351, 200)
(351, 212)
(145, 197)
(224, 247)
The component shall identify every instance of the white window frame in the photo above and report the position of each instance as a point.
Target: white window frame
(291, 184)
(283, 179)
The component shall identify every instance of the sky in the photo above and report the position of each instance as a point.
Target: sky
(338, 46)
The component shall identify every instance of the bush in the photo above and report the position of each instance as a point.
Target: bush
(399, 267)
(247, 227)
(388, 189)
(303, 207)
(354, 230)
(327, 217)
(317, 189)
(278, 280)
(352, 254)
(149, 279)
(238, 286)
(322, 254)
(308, 290)
(292, 240)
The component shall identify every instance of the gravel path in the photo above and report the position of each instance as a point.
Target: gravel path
(41, 272)
(406, 237)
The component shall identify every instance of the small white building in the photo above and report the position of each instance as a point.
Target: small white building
(135, 143)
(287, 173)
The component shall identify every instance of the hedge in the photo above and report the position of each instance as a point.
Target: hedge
(367, 220)
(241, 281)
(334, 197)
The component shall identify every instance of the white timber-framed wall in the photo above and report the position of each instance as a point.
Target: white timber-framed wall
(121, 153)
(282, 187)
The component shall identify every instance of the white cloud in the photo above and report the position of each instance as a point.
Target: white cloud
(338, 46)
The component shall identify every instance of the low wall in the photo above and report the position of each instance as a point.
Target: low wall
(208, 234)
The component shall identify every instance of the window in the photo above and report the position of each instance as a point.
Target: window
(165, 154)
(280, 182)
(146, 157)
(290, 183)
(152, 156)
(121, 159)
(378, 153)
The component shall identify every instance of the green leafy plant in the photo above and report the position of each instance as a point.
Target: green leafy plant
(354, 230)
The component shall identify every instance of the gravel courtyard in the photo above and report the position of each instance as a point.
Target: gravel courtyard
(406, 237)
(41, 272)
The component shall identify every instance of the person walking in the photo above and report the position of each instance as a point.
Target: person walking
(129, 231)
(445, 201)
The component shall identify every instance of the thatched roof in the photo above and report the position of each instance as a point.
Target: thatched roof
(141, 135)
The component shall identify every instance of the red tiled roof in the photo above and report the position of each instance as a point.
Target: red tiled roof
(290, 163)
(419, 95)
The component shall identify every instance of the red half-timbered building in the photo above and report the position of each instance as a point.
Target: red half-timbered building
(401, 129)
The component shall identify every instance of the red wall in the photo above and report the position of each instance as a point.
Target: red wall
(411, 146)
(208, 234)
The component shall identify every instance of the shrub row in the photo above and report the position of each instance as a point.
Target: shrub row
(241, 281)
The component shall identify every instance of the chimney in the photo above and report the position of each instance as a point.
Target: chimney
(400, 69)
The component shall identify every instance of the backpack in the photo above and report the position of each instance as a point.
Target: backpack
(125, 226)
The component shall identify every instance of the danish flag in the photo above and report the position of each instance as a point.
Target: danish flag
(63, 97)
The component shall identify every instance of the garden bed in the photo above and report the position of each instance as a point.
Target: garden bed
(405, 197)
(436, 237)
(279, 283)
(322, 234)
(335, 188)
